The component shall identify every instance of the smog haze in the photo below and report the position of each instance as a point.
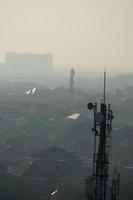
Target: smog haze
(83, 33)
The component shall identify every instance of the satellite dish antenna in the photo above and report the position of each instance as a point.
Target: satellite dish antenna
(90, 106)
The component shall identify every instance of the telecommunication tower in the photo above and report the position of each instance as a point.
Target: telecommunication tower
(72, 73)
(100, 186)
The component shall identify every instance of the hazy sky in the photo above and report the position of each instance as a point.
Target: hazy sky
(80, 33)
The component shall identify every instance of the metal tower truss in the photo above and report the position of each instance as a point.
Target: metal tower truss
(99, 186)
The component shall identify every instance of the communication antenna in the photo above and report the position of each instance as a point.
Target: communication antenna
(104, 93)
(98, 186)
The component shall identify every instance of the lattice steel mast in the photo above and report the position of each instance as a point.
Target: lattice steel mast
(98, 187)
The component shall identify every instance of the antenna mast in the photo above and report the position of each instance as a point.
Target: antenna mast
(104, 94)
(99, 187)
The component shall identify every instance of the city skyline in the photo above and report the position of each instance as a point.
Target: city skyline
(81, 33)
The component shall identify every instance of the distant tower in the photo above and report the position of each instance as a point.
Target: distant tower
(72, 73)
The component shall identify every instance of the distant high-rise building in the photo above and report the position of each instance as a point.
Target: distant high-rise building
(72, 73)
(28, 62)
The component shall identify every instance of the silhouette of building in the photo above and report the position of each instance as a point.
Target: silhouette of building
(27, 63)
(72, 73)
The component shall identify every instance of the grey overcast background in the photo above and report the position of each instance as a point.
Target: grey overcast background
(82, 33)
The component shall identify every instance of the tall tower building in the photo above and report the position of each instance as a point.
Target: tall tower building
(72, 73)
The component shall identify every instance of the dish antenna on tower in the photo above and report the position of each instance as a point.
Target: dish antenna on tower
(99, 186)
